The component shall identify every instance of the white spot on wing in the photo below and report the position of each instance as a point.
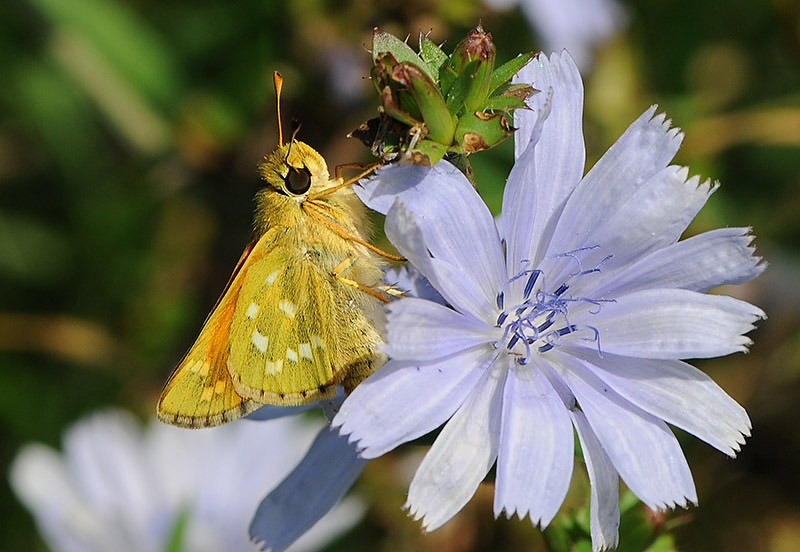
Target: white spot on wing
(291, 355)
(288, 308)
(259, 341)
(305, 351)
(274, 367)
(316, 341)
(252, 311)
(272, 276)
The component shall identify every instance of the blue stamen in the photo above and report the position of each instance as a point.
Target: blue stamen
(541, 319)
(530, 283)
(568, 329)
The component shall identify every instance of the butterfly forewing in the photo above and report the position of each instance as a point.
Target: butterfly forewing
(200, 391)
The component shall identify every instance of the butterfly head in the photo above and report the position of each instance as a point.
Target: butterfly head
(295, 170)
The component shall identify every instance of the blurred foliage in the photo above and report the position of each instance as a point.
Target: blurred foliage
(129, 137)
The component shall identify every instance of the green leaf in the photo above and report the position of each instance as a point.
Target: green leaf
(177, 537)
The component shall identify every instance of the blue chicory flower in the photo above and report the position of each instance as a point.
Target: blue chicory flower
(578, 317)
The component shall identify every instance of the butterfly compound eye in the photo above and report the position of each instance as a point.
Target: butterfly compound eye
(297, 181)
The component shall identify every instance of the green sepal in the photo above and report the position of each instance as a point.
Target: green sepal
(473, 62)
(383, 42)
(519, 91)
(476, 45)
(505, 72)
(429, 100)
(396, 100)
(457, 94)
(427, 152)
(395, 111)
(479, 90)
(434, 105)
(447, 78)
(480, 131)
(431, 54)
(503, 103)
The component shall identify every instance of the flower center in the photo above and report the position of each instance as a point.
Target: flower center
(541, 319)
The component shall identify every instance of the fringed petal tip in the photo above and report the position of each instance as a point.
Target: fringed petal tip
(417, 515)
(684, 502)
(261, 546)
(661, 119)
(736, 447)
(521, 514)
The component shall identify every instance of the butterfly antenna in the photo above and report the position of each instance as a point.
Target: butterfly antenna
(295, 128)
(277, 79)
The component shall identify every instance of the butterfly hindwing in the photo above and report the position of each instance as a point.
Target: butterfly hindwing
(294, 320)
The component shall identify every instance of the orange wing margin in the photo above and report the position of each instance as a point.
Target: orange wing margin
(199, 392)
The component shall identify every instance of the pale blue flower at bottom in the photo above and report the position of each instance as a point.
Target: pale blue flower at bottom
(119, 487)
(577, 320)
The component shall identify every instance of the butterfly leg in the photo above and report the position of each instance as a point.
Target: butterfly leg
(344, 265)
(366, 168)
(314, 211)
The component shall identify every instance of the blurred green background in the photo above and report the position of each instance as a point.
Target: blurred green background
(129, 136)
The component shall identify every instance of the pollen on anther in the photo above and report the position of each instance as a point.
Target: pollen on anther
(252, 311)
(259, 341)
(288, 308)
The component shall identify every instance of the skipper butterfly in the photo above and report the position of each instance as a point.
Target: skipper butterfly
(298, 315)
